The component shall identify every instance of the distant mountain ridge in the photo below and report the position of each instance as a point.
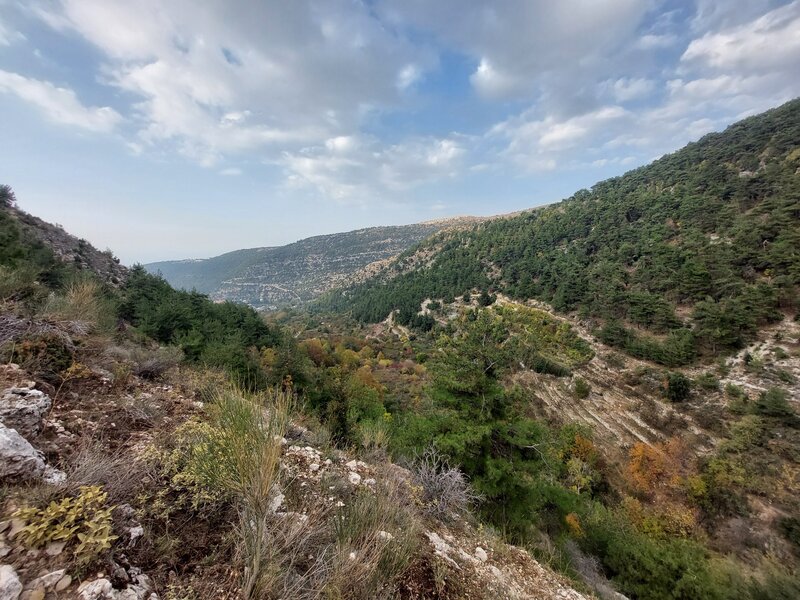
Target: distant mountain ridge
(276, 276)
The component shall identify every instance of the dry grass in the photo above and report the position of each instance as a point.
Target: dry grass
(82, 302)
(241, 456)
(116, 473)
(358, 551)
(446, 493)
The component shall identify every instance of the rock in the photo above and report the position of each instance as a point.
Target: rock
(135, 533)
(99, 589)
(481, 555)
(276, 503)
(53, 476)
(63, 583)
(313, 467)
(354, 478)
(34, 594)
(10, 586)
(54, 548)
(18, 459)
(369, 482)
(47, 581)
(23, 409)
(119, 577)
(17, 525)
(385, 535)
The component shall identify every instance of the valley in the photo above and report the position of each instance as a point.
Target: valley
(599, 398)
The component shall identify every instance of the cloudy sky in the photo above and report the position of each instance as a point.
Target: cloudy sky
(185, 128)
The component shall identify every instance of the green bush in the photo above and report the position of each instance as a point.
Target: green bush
(581, 389)
(677, 387)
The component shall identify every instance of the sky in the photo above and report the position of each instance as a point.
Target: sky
(187, 128)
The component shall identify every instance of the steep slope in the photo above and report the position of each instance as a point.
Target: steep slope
(689, 255)
(298, 272)
(29, 241)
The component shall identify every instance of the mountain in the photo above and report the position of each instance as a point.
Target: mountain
(295, 273)
(685, 257)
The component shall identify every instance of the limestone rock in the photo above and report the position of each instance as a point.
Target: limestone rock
(10, 585)
(46, 581)
(23, 409)
(18, 459)
(99, 589)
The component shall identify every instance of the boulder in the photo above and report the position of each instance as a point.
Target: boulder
(23, 409)
(18, 459)
(10, 585)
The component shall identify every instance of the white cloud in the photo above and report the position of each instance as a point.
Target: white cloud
(361, 169)
(219, 78)
(59, 104)
(543, 143)
(518, 41)
(769, 42)
(653, 41)
(231, 172)
(408, 76)
(625, 88)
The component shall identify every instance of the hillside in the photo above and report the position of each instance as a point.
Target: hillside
(26, 240)
(298, 272)
(688, 256)
(155, 444)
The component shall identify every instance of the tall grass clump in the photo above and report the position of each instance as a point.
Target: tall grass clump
(82, 302)
(240, 457)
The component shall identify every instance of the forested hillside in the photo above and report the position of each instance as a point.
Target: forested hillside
(687, 256)
(298, 272)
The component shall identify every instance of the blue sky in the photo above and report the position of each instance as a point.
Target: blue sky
(185, 129)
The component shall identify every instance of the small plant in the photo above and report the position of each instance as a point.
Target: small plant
(82, 521)
(581, 390)
(152, 364)
(707, 381)
(774, 403)
(445, 490)
(677, 387)
(374, 436)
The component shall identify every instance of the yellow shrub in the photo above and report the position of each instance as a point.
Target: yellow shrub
(83, 520)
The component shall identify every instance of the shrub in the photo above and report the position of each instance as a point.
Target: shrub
(83, 302)
(82, 522)
(152, 364)
(115, 473)
(47, 355)
(774, 403)
(20, 285)
(375, 538)
(708, 382)
(239, 455)
(445, 490)
(677, 387)
(790, 527)
(581, 389)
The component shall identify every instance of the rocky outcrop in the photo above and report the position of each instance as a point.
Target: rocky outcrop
(141, 588)
(23, 409)
(19, 461)
(10, 586)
